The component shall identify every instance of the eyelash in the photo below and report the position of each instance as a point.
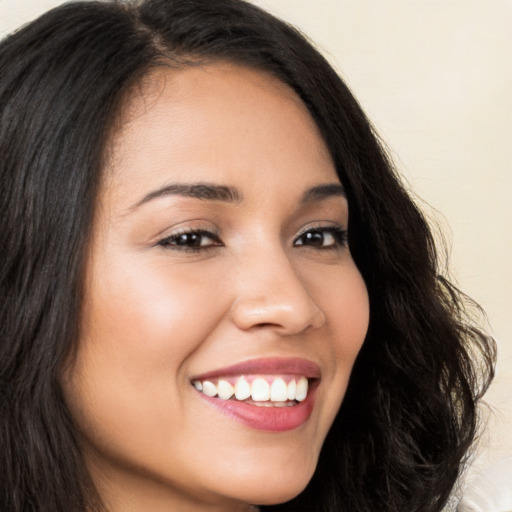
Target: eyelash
(173, 241)
(338, 234)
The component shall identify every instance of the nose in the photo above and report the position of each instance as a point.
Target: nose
(271, 294)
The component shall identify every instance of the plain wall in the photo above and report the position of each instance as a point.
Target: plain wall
(435, 77)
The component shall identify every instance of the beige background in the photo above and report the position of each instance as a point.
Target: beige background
(435, 77)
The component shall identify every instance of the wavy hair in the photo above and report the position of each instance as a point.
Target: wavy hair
(409, 415)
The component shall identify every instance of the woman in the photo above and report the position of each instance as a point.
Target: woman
(215, 292)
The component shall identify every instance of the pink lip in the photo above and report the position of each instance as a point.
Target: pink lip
(267, 366)
(270, 419)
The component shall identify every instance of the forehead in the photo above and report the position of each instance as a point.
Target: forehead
(220, 122)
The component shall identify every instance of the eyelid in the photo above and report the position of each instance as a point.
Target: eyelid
(165, 241)
(172, 239)
(322, 226)
(333, 229)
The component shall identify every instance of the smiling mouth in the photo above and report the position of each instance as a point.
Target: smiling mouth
(257, 390)
(275, 394)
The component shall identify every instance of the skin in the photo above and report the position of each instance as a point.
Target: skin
(155, 316)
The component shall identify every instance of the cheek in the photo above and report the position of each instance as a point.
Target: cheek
(346, 306)
(343, 297)
(350, 325)
(340, 292)
(138, 331)
(151, 314)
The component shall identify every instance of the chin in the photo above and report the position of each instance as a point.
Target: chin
(272, 488)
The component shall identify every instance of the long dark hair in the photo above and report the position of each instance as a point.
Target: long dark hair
(409, 415)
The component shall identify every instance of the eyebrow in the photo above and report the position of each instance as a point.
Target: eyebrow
(320, 192)
(228, 194)
(196, 190)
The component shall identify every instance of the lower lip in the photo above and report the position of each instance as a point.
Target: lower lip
(269, 419)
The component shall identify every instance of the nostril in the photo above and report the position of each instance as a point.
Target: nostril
(290, 314)
(264, 325)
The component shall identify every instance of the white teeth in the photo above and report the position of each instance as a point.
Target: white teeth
(272, 390)
(260, 390)
(242, 389)
(278, 390)
(302, 389)
(225, 390)
(284, 404)
(209, 388)
(292, 389)
(273, 404)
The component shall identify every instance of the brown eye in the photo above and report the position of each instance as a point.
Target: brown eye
(193, 240)
(190, 240)
(315, 238)
(331, 237)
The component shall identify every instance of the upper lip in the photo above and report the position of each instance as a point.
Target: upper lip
(267, 366)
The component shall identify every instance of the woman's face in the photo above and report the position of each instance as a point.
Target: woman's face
(218, 261)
